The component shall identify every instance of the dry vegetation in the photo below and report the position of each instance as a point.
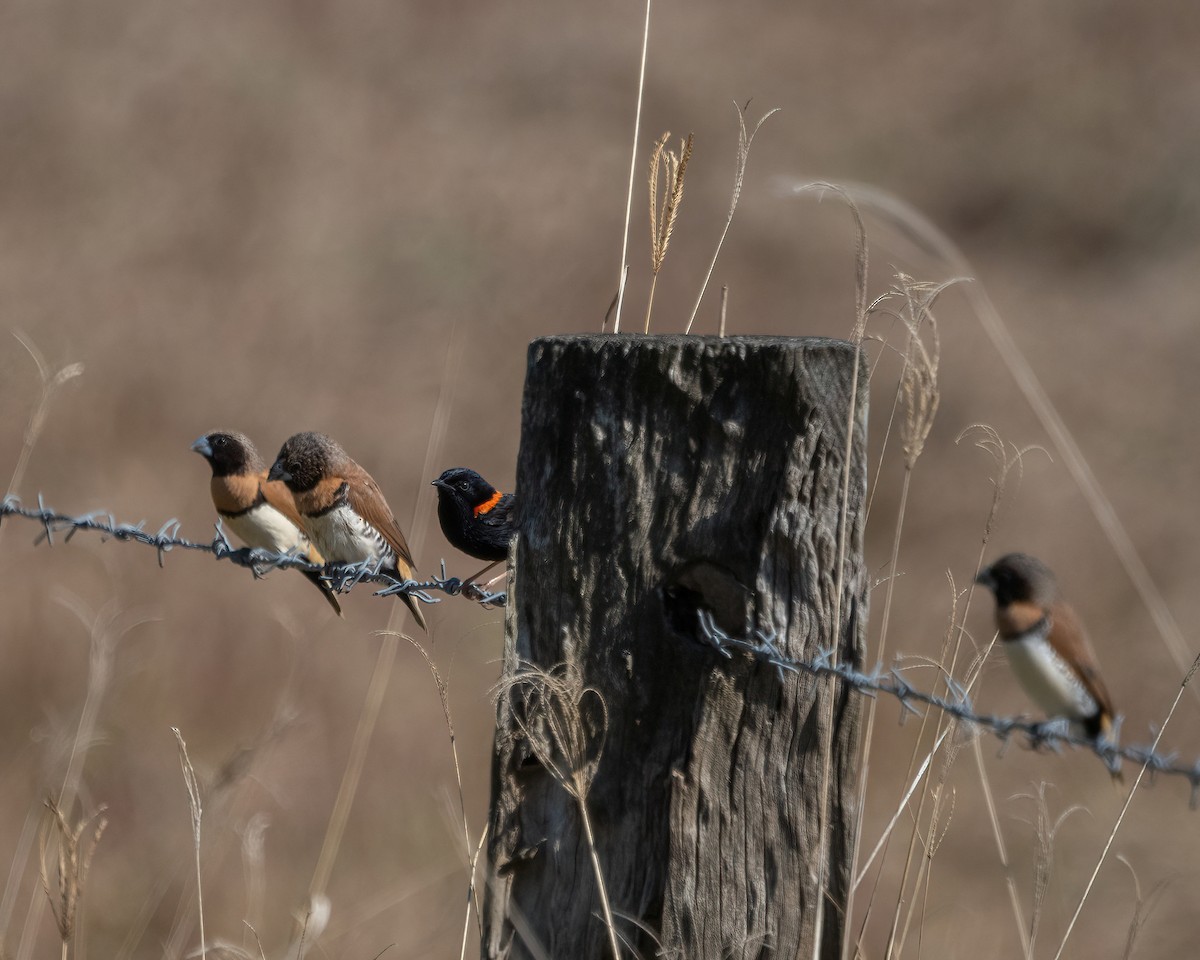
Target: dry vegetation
(276, 218)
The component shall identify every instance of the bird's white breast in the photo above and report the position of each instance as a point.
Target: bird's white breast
(265, 528)
(1047, 678)
(345, 537)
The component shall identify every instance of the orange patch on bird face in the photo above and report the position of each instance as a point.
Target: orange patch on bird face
(488, 503)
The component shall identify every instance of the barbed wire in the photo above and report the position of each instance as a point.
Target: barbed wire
(1047, 735)
(341, 577)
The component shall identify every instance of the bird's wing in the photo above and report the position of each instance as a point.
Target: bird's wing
(366, 499)
(1070, 641)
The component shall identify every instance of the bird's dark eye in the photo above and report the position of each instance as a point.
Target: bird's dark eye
(463, 485)
(293, 467)
(219, 441)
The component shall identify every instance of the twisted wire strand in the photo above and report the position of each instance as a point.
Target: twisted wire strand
(1048, 735)
(342, 577)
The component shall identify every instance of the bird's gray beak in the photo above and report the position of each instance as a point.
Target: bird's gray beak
(985, 577)
(278, 472)
(440, 484)
(203, 447)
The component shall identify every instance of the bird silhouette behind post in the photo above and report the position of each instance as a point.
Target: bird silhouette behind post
(260, 512)
(342, 509)
(1046, 645)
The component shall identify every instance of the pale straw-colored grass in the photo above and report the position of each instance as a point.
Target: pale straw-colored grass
(565, 724)
(664, 203)
(623, 273)
(745, 140)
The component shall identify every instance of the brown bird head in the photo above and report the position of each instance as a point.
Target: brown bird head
(305, 459)
(1020, 578)
(229, 453)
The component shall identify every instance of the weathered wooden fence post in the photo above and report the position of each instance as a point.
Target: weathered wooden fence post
(658, 475)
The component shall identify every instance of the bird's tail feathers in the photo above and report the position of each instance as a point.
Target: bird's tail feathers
(326, 590)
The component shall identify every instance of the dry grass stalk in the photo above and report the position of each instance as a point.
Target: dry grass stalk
(551, 708)
(1044, 830)
(939, 819)
(52, 380)
(225, 950)
(73, 861)
(917, 394)
(885, 445)
(918, 398)
(262, 955)
(898, 934)
(861, 260)
(386, 658)
(254, 869)
(1005, 458)
(998, 835)
(931, 848)
(940, 737)
(660, 950)
(444, 699)
(311, 926)
(106, 627)
(637, 127)
(471, 896)
(850, 197)
(352, 775)
(197, 810)
(916, 388)
(664, 207)
(745, 139)
(219, 795)
(1125, 809)
(612, 305)
(1142, 908)
(724, 310)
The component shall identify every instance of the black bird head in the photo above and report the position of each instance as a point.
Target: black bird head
(229, 453)
(464, 486)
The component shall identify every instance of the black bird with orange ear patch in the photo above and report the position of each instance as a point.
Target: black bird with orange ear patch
(259, 511)
(342, 508)
(476, 518)
(1046, 644)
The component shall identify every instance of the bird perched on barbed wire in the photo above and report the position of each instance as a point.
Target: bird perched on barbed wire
(1046, 644)
(342, 509)
(259, 511)
(476, 517)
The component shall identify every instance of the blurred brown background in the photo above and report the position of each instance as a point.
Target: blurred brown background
(271, 216)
